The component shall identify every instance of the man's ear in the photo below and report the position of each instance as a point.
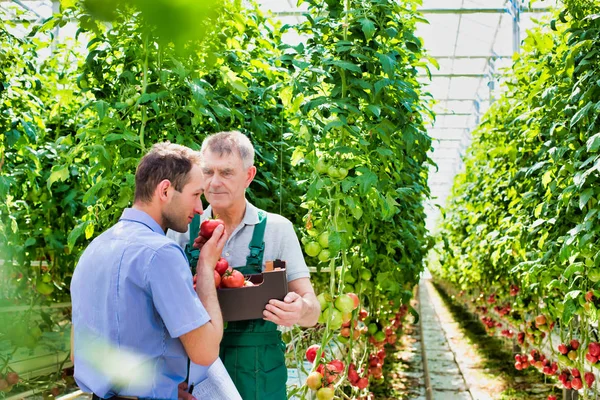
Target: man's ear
(163, 190)
(250, 175)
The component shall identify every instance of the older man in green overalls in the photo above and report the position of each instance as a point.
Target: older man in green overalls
(252, 351)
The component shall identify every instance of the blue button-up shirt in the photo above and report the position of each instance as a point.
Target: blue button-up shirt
(132, 293)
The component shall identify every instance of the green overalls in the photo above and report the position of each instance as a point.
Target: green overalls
(251, 350)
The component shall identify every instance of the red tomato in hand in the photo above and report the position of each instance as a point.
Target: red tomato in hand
(221, 266)
(233, 279)
(208, 226)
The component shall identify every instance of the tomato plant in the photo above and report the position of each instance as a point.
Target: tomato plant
(361, 116)
(520, 234)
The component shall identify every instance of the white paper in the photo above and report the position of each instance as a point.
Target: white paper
(217, 385)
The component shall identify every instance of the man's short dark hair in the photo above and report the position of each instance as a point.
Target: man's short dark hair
(164, 161)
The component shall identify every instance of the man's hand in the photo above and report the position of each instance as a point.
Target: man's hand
(199, 242)
(183, 394)
(287, 312)
(212, 248)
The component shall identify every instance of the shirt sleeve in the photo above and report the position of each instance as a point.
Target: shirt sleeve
(170, 282)
(291, 252)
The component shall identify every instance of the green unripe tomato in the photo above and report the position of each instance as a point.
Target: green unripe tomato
(44, 288)
(349, 278)
(324, 300)
(324, 255)
(342, 172)
(379, 336)
(372, 328)
(312, 249)
(333, 172)
(594, 274)
(366, 274)
(334, 317)
(321, 167)
(344, 303)
(325, 393)
(324, 240)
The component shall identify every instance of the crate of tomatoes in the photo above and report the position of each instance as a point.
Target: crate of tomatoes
(243, 297)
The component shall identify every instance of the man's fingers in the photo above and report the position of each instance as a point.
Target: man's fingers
(199, 242)
(269, 316)
(291, 297)
(285, 311)
(222, 240)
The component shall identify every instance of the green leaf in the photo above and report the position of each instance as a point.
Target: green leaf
(75, 233)
(89, 230)
(569, 310)
(385, 152)
(412, 46)
(573, 269)
(581, 113)
(29, 130)
(347, 65)
(366, 180)
(30, 242)
(354, 208)
(374, 109)
(593, 143)
(59, 173)
(125, 197)
(573, 294)
(335, 242)
(585, 196)
(368, 28)
(101, 107)
(387, 63)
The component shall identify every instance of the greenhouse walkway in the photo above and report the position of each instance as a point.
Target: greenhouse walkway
(453, 368)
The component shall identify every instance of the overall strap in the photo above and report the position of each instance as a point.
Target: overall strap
(192, 253)
(257, 244)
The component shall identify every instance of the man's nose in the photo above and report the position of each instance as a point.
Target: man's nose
(215, 180)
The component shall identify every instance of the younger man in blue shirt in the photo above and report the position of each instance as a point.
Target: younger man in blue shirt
(134, 307)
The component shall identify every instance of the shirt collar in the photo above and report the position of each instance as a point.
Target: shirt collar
(131, 214)
(250, 215)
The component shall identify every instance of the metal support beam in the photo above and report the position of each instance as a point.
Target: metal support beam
(478, 10)
(25, 7)
(533, 10)
(514, 10)
(482, 57)
(454, 76)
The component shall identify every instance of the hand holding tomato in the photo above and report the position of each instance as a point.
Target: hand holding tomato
(211, 251)
(287, 312)
(208, 226)
(207, 229)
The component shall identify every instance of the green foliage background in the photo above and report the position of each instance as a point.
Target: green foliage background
(73, 127)
(525, 211)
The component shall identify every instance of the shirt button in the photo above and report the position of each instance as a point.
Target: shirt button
(226, 254)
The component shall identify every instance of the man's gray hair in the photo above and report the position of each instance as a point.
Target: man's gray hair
(229, 143)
